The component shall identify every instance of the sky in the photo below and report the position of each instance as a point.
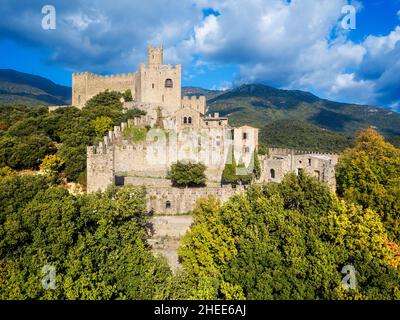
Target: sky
(289, 44)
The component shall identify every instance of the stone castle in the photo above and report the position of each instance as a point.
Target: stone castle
(176, 128)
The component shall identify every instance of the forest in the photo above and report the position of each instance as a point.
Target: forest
(275, 241)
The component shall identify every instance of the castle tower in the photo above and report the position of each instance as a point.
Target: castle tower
(155, 56)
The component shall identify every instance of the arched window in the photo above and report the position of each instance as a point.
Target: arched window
(168, 204)
(168, 83)
(190, 120)
(246, 149)
(272, 171)
(184, 120)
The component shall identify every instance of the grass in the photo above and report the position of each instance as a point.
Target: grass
(135, 134)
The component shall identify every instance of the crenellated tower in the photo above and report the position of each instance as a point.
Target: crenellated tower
(155, 56)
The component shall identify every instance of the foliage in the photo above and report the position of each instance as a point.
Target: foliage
(260, 105)
(102, 125)
(237, 173)
(29, 134)
(105, 99)
(127, 95)
(52, 164)
(300, 135)
(263, 149)
(369, 174)
(26, 152)
(135, 134)
(288, 241)
(6, 172)
(96, 243)
(187, 174)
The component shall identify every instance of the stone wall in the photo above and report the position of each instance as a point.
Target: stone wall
(151, 86)
(195, 103)
(86, 85)
(280, 161)
(169, 201)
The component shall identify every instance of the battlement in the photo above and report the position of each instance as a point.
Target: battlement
(155, 55)
(286, 152)
(91, 75)
(193, 99)
(166, 68)
(110, 139)
(193, 102)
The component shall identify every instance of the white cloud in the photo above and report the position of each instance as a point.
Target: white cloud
(297, 44)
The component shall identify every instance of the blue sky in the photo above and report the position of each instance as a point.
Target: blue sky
(296, 44)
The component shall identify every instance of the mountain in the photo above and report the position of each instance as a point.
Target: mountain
(304, 136)
(195, 91)
(23, 88)
(260, 105)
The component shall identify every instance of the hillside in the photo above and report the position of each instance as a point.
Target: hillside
(195, 91)
(23, 88)
(260, 105)
(304, 136)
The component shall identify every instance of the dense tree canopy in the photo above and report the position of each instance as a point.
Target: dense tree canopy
(187, 174)
(288, 241)
(369, 174)
(28, 135)
(96, 243)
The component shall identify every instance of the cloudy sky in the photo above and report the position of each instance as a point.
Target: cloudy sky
(294, 44)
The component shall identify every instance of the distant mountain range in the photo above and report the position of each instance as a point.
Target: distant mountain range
(24, 88)
(254, 104)
(261, 105)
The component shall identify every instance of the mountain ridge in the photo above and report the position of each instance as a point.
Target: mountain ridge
(253, 104)
(25, 88)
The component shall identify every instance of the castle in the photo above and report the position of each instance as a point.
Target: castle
(176, 128)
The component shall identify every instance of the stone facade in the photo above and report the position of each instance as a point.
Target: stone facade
(282, 161)
(169, 201)
(178, 129)
(154, 84)
(147, 161)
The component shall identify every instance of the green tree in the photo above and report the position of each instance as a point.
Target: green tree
(238, 173)
(105, 99)
(96, 243)
(288, 241)
(52, 164)
(187, 174)
(127, 95)
(102, 125)
(369, 174)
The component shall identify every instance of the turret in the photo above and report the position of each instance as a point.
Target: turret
(155, 56)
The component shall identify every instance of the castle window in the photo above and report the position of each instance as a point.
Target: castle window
(168, 205)
(206, 123)
(309, 162)
(299, 171)
(79, 99)
(168, 83)
(317, 175)
(119, 181)
(162, 98)
(244, 135)
(152, 85)
(184, 120)
(190, 120)
(246, 149)
(272, 172)
(220, 122)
